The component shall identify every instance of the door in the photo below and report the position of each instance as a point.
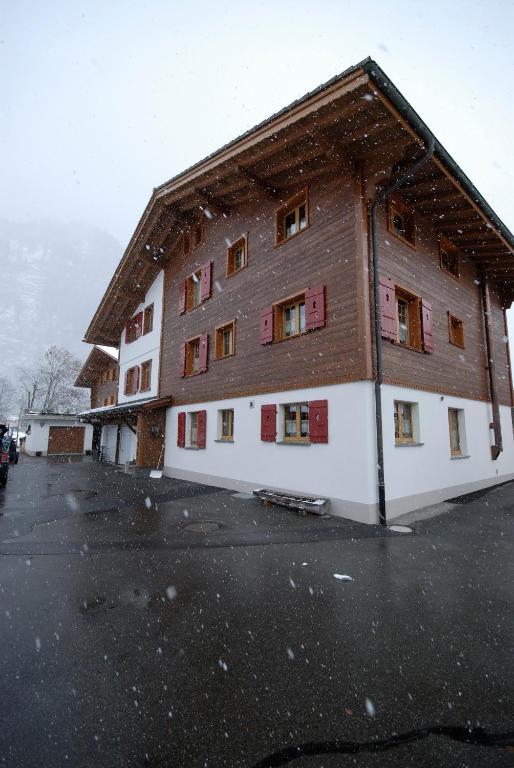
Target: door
(65, 440)
(109, 438)
(128, 446)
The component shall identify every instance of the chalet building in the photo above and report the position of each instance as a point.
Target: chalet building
(328, 296)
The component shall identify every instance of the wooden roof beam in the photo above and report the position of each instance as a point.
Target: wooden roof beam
(213, 201)
(268, 189)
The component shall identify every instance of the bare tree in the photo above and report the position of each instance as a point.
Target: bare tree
(48, 387)
(6, 397)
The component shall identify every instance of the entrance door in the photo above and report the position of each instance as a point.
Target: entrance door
(128, 446)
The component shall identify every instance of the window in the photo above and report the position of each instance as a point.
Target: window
(194, 290)
(293, 217)
(296, 422)
(146, 376)
(456, 428)
(148, 319)
(236, 256)
(134, 328)
(193, 429)
(448, 256)
(291, 318)
(131, 380)
(401, 222)
(198, 231)
(408, 319)
(186, 241)
(403, 422)
(225, 340)
(194, 355)
(226, 425)
(455, 331)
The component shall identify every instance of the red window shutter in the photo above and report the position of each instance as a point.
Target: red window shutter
(315, 308)
(202, 429)
(127, 332)
(318, 421)
(181, 430)
(387, 309)
(137, 376)
(426, 326)
(266, 328)
(269, 423)
(204, 352)
(182, 359)
(138, 320)
(182, 290)
(205, 281)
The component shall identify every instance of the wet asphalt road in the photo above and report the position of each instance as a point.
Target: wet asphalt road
(128, 639)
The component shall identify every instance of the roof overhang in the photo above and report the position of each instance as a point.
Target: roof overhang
(110, 413)
(97, 361)
(354, 117)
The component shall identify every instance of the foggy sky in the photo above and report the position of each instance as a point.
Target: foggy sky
(102, 101)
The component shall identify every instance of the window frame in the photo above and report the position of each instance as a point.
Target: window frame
(148, 312)
(191, 345)
(146, 366)
(403, 210)
(452, 337)
(459, 451)
(229, 438)
(192, 416)
(446, 246)
(402, 439)
(283, 420)
(198, 226)
(133, 389)
(230, 271)
(133, 325)
(279, 308)
(414, 330)
(294, 203)
(219, 340)
(192, 287)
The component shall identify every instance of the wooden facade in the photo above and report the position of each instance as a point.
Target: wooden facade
(100, 374)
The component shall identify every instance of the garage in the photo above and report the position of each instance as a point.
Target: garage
(65, 440)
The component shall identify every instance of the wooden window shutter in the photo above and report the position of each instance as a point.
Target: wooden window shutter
(128, 377)
(205, 281)
(387, 309)
(127, 332)
(269, 423)
(426, 326)
(204, 352)
(137, 375)
(266, 327)
(202, 429)
(181, 430)
(315, 308)
(182, 291)
(318, 421)
(182, 359)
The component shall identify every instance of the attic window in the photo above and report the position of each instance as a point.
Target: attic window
(455, 331)
(198, 231)
(400, 222)
(236, 256)
(449, 257)
(293, 217)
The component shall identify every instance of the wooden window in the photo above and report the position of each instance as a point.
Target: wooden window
(193, 290)
(448, 256)
(134, 328)
(408, 320)
(196, 351)
(226, 340)
(403, 422)
(193, 429)
(148, 319)
(131, 380)
(146, 376)
(400, 221)
(236, 256)
(186, 241)
(293, 217)
(454, 425)
(226, 424)
(293, 316)
(197, 429)
(455, 331)
(296, 422)
(198, 231)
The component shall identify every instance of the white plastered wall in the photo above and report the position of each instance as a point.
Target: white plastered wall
(419, 475)
(146, 347)
(342, 469)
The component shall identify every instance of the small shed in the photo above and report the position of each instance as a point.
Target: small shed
(57, 434)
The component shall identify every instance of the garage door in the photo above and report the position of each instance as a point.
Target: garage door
(66, 440)
(128, 445)
(109, 440)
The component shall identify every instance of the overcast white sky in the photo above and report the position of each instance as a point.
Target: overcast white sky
(102, 101)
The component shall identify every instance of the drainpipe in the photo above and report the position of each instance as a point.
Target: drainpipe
(381, 196)
(497, 448)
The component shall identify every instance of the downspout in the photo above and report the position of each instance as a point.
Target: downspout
(380, 196)
(497, 448)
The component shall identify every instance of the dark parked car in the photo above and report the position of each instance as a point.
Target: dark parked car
(5, 444)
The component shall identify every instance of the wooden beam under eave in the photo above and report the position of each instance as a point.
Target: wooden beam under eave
(268, 189)
(215, 202)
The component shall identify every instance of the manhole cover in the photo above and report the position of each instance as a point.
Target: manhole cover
(202, 526)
